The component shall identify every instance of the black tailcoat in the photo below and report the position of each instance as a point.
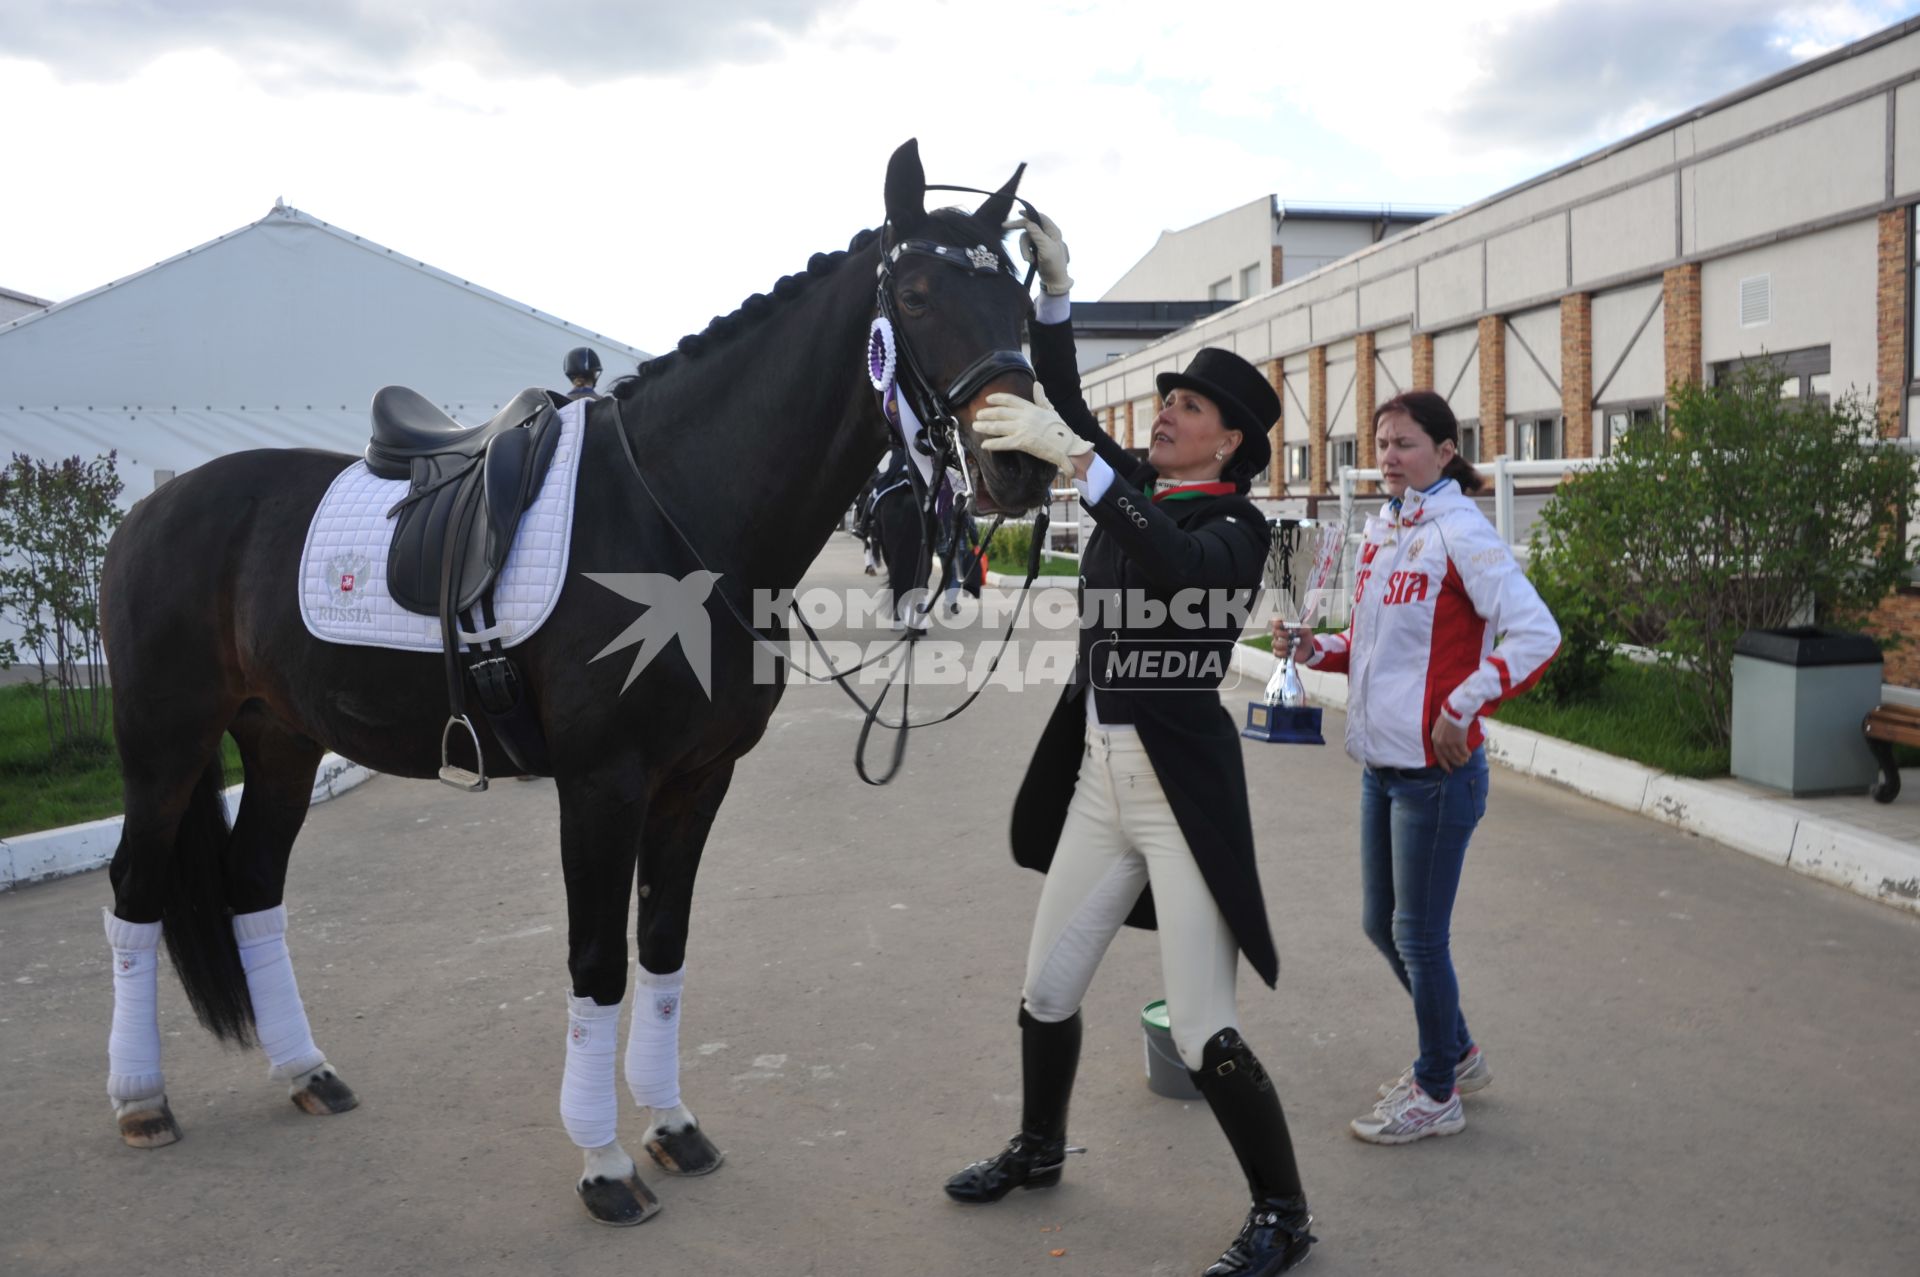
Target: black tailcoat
(1213, 543)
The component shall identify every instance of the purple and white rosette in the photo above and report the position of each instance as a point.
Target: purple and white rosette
(882, 362)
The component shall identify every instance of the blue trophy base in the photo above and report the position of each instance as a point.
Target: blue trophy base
(1283, 724)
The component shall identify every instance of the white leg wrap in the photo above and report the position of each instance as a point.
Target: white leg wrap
(653, 1040)
(133, 1046)
(279, 1018)
(589, 1107)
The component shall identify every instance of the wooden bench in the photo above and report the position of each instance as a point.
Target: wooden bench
(1886, 727)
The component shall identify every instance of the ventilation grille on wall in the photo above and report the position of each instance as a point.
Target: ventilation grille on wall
(1756, 301)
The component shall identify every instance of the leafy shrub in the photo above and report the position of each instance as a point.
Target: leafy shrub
(1746, 511)
(55, 518)
(1011, 545)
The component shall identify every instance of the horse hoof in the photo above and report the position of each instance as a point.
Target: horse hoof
(150, 1127)
(324, 1094)
(621, 1203)
(684, 1152)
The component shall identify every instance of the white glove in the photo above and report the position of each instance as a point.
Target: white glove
(1013, 424)
(1042, 245)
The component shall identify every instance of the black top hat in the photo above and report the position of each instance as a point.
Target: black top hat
(1243, 394)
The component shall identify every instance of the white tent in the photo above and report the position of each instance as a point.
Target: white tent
(275, 335)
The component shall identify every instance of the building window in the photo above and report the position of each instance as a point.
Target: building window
(1804, 374)
(1535, 438)
(1220, 290)
(1249, 282)
(1618, 419)
(1345, 454)
(1299, 464)
(1470, 441)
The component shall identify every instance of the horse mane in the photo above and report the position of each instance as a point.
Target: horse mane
(955, 225)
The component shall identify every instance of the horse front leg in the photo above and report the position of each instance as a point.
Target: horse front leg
(599, 848)
(676, 834)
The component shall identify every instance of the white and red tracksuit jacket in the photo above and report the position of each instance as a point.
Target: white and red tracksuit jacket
(1434, 587)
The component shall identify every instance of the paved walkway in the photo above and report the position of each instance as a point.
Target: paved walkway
(1704, 1063)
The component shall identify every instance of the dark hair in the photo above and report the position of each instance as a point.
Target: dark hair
(1430, 412)
(1238, 469)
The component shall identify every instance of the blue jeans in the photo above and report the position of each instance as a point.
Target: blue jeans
(1414, 827)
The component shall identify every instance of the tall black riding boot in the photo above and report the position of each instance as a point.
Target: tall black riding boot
(1049, 1056)
(1275, 1237)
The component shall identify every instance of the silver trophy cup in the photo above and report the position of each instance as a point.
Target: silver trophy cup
(1303, 563)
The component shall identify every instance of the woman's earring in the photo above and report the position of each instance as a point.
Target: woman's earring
(1219, 454)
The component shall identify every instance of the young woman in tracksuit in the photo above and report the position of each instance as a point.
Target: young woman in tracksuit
(1435, 589)
(1135, 801)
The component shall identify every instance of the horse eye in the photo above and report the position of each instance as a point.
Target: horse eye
(913, 299)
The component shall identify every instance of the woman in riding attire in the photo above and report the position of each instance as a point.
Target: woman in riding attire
(1135, 802)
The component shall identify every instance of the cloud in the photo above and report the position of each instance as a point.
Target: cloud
(373, 44)
(1563, 80)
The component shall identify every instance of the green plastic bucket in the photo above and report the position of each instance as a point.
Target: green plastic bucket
(1166, 1072)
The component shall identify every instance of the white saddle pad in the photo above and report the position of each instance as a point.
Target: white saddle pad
(343, 569)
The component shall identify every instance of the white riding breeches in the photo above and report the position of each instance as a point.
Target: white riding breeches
(1120, 836)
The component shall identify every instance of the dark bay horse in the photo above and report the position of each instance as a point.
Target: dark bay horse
(753, 437)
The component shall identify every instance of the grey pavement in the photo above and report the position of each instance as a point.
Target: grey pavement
(1703, 1063)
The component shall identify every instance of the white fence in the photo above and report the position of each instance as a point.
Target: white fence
(1504, 471)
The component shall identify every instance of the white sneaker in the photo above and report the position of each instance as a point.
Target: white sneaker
(1413, 1115)
(1470, 1075)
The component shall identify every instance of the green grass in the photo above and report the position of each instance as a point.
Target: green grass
(38, 791)
(1637, 712)
(1051, 565)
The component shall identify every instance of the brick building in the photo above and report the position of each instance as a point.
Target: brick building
(1776, 221)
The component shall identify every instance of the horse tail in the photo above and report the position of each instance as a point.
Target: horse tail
(195, 918)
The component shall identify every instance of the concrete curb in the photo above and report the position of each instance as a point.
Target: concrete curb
(1869, 864)
(56, 853)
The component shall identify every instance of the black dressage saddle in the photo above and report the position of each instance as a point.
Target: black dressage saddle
(467, 487)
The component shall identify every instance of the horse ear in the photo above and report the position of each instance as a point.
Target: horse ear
(906, 190)
(1000, 203)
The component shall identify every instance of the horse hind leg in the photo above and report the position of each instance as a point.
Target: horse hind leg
(171, 838)
(280, 767)
(675, 835)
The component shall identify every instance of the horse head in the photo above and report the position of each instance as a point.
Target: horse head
(957, 305)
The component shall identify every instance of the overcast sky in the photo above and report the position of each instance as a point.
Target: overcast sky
(639, 167)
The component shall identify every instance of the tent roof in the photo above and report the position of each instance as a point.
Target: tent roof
(283, 212)
(274, 335)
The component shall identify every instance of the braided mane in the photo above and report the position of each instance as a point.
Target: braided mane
(957, 224)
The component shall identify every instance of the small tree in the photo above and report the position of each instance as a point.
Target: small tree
(55, 519)
(1746, 512)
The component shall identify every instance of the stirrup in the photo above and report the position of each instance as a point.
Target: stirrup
(473, 782)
